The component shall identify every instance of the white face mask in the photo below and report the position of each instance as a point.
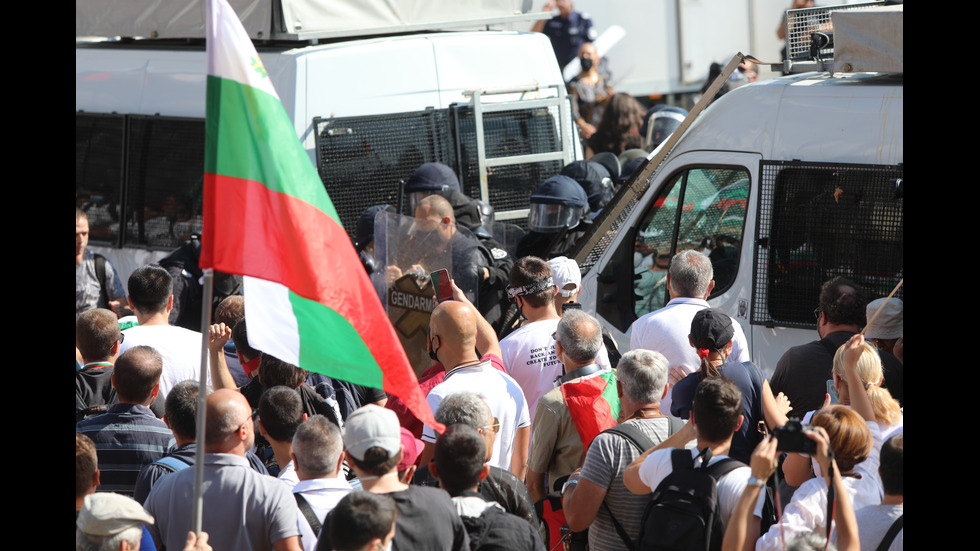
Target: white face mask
(382, 547)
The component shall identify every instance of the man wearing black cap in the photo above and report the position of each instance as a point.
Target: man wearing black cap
(690, 281)
(711, 335)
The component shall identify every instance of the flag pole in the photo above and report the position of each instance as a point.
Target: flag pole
(202, 394)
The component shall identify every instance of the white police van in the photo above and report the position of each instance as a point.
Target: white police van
(375, 88)
(784, 184)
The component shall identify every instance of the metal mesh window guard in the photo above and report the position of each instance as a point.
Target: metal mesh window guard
(508, 133)
(99, 158)
(165, 180)
(139, 178)
(802, 23)
(361, 160)
(818, 221)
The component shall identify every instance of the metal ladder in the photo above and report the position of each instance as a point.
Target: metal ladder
(565, 134)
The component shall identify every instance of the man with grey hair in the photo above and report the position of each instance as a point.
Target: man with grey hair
(641, 382)
(318, 455)
(501, 485)
(110, 522)
(690, 282)
(557, 435)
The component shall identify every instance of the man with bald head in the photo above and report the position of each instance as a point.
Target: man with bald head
(457, 333)
(436, 233)
(242, 508)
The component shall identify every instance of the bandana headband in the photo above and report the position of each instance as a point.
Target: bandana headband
(530, 288)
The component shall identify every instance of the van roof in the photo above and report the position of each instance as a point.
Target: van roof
(848, 118)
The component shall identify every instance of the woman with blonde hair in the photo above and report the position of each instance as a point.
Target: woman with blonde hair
(855, 439)
(869, 368)
(797, 468)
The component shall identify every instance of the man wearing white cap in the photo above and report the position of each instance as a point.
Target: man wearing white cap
(568, 280)
(529, 352)
(110, 521)
(427, 518)
(887, 328)
(885, 331)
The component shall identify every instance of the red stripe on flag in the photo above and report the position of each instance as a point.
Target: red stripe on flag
(589, 410)
(277, 237)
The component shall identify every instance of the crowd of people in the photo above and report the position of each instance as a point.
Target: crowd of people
(551, 433)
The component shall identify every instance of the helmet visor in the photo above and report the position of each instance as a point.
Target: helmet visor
(552, 217)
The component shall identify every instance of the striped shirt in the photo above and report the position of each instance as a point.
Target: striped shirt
(126, 437)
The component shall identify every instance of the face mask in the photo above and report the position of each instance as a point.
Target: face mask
(433, 351)
(586, 63)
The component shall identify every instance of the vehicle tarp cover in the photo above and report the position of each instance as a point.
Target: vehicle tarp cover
(299, 18)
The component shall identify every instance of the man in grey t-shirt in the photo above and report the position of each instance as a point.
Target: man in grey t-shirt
(641, 378)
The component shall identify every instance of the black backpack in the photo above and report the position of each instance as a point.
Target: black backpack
(683, 512)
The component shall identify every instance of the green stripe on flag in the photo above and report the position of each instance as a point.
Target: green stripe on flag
(319, 326)
(609, 393)
(249, 136)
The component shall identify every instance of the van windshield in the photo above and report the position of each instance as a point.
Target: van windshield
(702, 209)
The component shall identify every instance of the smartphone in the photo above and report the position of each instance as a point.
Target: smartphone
(570, 306)
(832, 391)
(442, 285)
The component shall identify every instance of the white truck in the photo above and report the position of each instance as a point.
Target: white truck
(664, 48)
(374, 88)
(784, 184)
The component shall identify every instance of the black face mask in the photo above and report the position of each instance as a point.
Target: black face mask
(433, 351)
(586, 63)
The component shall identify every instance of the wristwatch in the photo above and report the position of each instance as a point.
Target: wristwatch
(568, 483)
(753, 481)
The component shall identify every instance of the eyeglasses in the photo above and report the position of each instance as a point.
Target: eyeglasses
(254, 417)
(554, 336)
(122, 337)
(816, 313)
(495, 427)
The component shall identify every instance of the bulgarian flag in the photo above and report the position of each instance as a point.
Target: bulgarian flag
(593, 404)
(267, 217)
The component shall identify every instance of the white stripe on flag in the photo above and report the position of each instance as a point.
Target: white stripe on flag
(272, 327)
(231, 54)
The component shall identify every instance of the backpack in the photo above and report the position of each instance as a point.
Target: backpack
(683, 511)
(552, 518)
(643, 443)
(172, 463)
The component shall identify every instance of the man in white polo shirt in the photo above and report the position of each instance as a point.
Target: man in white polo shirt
(690, 281)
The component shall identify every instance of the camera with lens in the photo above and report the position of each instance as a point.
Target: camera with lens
(792, 437)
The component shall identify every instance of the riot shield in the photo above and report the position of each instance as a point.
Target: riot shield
(409, 250)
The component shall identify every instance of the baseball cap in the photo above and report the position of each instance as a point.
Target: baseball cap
(711, 329)
(105, 514)
(565, 271)
(889, 323)
(372, 426)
